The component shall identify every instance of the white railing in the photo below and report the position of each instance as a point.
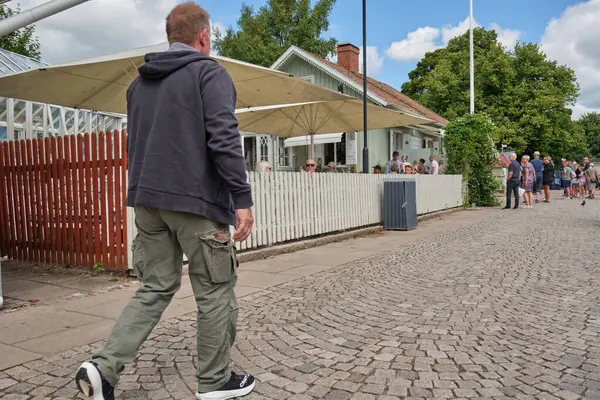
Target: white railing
(291, 206)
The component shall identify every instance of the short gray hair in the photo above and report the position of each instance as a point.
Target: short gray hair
(262, 166)
(526, 158)
(513, 154)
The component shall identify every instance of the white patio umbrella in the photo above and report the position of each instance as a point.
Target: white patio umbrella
(321, 117)
(100, 83)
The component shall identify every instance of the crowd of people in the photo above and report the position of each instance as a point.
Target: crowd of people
(397, 165)
(529, 178)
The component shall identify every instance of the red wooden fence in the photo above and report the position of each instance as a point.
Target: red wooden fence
(62, 200)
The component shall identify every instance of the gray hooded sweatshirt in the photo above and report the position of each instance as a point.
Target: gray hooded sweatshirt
(184, 147)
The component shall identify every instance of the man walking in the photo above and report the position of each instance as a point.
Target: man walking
(513, 181)
(538, 167)
(586, 167)
(187, 182)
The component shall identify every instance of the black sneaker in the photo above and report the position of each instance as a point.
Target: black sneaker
(238, 386)
(91, 383)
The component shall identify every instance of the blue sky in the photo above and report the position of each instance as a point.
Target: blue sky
(390, 21)
(399, 31)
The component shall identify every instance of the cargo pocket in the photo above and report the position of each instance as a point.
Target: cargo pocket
(138, 258)
(219, 255)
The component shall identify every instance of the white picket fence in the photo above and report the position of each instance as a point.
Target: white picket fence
(291, 206)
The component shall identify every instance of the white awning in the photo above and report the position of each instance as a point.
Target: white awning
(101, 83)
(319, 139)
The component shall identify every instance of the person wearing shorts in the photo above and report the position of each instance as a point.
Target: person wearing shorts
(582, 183)
(527, 181)
(575, 187)
(567, 175)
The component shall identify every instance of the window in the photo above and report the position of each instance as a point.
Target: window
(284, 156)
(336, 152)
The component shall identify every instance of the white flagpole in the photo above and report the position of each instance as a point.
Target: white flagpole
(472, 59)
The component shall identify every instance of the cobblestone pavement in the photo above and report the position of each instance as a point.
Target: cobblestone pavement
(507, 307)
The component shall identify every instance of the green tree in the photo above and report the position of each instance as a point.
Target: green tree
(525, 94)
(590, 123)
(470, 151)
(266, 34)
(22, 41)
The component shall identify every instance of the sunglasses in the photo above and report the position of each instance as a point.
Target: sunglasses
(310, 165)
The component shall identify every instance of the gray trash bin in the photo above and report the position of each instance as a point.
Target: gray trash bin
(400, 204)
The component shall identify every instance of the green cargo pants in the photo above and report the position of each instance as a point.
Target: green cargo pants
(163, 237)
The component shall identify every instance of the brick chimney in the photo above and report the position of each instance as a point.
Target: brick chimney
(347, 56)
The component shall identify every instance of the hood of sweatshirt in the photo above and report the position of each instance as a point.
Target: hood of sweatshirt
(160, 65)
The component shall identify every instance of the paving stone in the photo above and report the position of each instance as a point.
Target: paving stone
(362, 396)
(7, 382)
(419, 392)
(470, 311)
(297, 387)
(566, 395)
(373, 388)
(347, 386)
(337, 395)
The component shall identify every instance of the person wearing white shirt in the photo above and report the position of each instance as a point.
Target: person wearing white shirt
(434, 167)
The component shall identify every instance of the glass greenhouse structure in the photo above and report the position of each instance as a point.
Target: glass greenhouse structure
(20, 119)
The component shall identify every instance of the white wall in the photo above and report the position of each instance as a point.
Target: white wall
(379, 145)
(291, 206)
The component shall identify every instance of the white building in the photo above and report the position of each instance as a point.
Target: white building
(345, 148)
(21, 119)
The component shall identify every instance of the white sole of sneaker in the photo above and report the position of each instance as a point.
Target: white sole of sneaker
(89, 381)
(226, 394)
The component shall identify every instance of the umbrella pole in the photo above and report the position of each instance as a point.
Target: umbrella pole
(312, 146)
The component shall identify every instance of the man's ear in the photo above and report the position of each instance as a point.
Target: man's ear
(204, 37)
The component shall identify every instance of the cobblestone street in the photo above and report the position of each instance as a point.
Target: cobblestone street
(507, 306)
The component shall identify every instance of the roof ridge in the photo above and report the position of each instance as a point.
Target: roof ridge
(23, 56)
(394, 96)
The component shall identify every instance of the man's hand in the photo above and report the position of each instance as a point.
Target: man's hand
(243, 224)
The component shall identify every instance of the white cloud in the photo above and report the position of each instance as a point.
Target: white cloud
(374, 60)
(572, 39)
(100, 27)
(450, 32)
(508, 37)
(579, 109)
(426, 39)
(416, 44)
(219, 27)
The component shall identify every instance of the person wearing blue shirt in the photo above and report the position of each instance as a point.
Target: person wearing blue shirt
(538, 166)
(394, 160)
